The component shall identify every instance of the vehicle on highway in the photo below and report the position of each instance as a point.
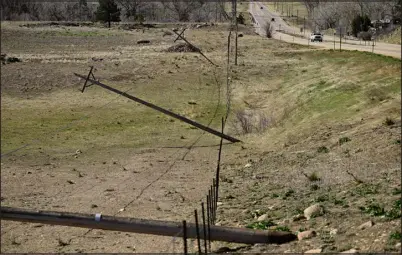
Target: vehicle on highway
(316, 37)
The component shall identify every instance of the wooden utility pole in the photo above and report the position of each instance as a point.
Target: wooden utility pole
(236, 25)
(160, 109)
(142, 226)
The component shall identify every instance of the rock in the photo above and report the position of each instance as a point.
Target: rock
(192, 102)
(350, 251)
(398, 245)
(240, 35)
(306, 234)
(219, 203)
(365, 225)
(313, 211)
(71, 182)
(333, 232)
(298, 217)
(263, 217)
(247, 165)
(314, 251)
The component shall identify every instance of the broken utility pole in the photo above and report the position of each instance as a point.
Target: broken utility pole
(155, 107)
(151, 227)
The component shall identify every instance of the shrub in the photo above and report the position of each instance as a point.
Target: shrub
(313, 177)
(343, 140)
(322, 149)
(389, 121)
(248, 122)
(240, 19)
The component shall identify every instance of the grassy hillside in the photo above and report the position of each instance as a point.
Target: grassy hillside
(317, 126)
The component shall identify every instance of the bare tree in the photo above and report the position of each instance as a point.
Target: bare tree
(183, 9)
(131, 8)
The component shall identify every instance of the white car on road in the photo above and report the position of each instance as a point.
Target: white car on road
(316, 37)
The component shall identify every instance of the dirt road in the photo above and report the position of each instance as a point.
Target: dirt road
(282, 31)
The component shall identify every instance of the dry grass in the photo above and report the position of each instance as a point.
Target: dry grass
(315, 98)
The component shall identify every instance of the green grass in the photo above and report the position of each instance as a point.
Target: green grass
(377, 210)
(73, 33)
(263, 225)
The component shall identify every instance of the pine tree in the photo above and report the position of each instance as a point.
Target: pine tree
(107, 11)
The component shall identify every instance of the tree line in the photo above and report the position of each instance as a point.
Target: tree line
(114, 10)
(352, 16)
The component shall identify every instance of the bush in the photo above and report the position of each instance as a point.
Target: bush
(240, 19)
(322, 149)
(248, 122)
(389, 121)
(343, 140)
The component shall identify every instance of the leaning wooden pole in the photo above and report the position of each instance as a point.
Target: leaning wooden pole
(142, 226)
(237, 28)
(155, 107)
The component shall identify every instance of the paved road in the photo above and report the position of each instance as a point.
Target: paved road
(283, 31)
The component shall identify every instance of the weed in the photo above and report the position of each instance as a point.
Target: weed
(322, 149)
(288, 193)
(395, 211)
(263, 225)
(313, 177)
(247, 122)
(396, 235)
(322, 198)
(377, 210)
(339, 202)
(389, 121)
(304, 70)
(373, 210)
(366, 189)
(343, 140)
(282, 228)
(274, 195)
(301, 229)
(396, 191)
(244, 120)
(397, 141)
(314, 187)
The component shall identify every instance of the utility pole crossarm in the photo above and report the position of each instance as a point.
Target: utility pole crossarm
(155, 107)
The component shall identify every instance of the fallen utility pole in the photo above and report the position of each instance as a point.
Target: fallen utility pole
(142, 226)
(172, 114)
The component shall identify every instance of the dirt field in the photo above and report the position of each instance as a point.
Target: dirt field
(95, 152)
